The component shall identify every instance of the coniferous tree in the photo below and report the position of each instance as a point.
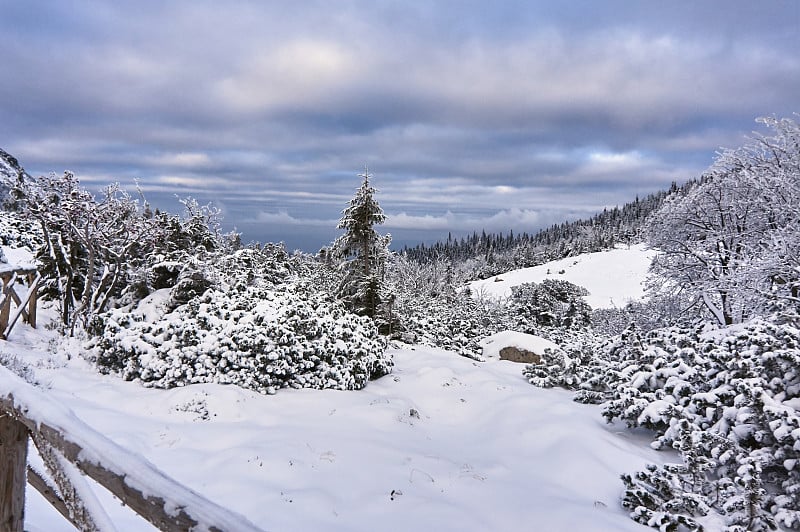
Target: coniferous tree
(363, 251)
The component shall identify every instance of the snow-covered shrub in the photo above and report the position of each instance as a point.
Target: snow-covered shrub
(658, 311)
(18, 367)
(553, 302)
(588, 362)
(256, 317)
(456, 322)
(260, 337)
(726, 399)
(656, 498)
(18, 232)
(739, 385)
(191, 281)
(576, 366)
(671, 496)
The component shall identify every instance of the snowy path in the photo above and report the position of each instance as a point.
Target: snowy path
(463, 445)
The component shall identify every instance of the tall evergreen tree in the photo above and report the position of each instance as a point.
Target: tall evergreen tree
(363, 251)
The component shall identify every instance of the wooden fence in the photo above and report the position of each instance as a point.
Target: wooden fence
(72, 450)
(26, 304)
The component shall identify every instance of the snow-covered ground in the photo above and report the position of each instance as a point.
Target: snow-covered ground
(443, 443)
(612, 277)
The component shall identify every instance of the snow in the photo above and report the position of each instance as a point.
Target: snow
(42, 409)
(529, 342)
(151, 307)
(6, 168)
(613, 278)
(443, 442)
(17, 258)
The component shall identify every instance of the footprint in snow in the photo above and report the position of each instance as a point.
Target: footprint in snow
(328, 456)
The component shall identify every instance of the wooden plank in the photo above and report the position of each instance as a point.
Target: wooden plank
(33, 296)
(13, 458)
(5, 309)
(86, 512)
(21, 308)
(13, 294)
(38, 482)
(152, 508)
(6, 271)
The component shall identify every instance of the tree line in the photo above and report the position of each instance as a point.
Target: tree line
(494, 253)
(727, 240)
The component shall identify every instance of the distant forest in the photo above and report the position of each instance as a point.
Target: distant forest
(496, 253)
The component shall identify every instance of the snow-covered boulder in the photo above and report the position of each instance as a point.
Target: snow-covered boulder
(516, 347)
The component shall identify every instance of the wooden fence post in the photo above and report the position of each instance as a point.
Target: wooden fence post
(5, 306)
(13, 477)
(33, 283)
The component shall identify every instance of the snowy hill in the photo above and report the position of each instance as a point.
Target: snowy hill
(612, 277)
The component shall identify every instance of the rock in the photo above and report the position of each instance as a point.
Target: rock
(515, 354)
(516, 347)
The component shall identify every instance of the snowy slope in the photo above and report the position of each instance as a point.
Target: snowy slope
(463, 445)
(612, 277)
(9, 166)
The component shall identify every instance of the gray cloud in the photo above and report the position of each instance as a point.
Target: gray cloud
(510, 116)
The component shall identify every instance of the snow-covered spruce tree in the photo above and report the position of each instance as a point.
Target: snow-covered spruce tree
(363, 251)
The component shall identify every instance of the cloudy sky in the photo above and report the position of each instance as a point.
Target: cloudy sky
(471, 115)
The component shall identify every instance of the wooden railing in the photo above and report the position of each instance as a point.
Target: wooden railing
(26, 304)
(69, 447)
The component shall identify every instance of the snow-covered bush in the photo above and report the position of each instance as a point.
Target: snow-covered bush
(740, 385)
(256, 317)
(575, 366)
(716, 476)
(726, 399)
(656, 498)
(17, 232)
(456, 322)
(258, 337)
(553, 302)
(658, 311)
